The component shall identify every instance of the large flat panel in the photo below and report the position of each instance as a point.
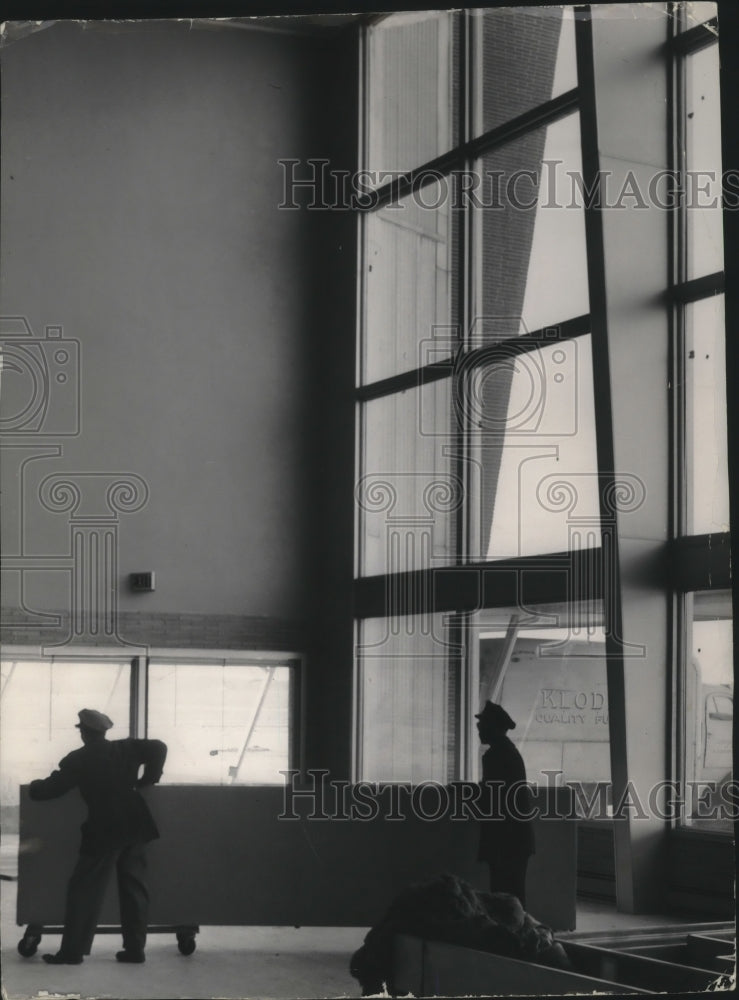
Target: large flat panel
(226, 858)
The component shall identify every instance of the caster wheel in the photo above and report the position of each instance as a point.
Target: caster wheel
(28, 946)
(186, 944)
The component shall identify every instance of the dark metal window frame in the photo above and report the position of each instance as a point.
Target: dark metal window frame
(456, 158)
(474, 357)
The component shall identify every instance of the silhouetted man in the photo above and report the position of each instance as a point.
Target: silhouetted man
(116, 831)
(507, 839)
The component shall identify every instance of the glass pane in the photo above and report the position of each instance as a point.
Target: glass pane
(547, 667)
(528, 57)
(224, 724)
(38, 714)
(705, 424)
(697, 12)
(408, 496)
(536, 482)
(412, 103)
(534, 267)
(408, 680)
(709, 709)
(411, 256)
(703, 151)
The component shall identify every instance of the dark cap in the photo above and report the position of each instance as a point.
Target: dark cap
(96, 721)
(496, 715)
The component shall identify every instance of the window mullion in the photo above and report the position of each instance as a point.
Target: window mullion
(466, 310)
(139, 665)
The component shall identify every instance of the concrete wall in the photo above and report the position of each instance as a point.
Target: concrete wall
(140, 191)
(629, 63)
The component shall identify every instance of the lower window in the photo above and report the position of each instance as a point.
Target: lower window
(225, 722)
(38, 713)
(708, 711)
(546, 666)
(408, 704)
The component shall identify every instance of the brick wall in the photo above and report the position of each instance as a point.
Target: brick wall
(163, 629)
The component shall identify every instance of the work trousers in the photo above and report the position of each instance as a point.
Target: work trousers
(509, 875)
(86, 892)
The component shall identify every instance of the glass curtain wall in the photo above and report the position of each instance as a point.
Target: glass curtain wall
(475, 407)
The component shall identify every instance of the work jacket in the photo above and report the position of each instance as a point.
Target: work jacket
(107, 775)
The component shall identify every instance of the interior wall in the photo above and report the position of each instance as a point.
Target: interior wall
(141, 185)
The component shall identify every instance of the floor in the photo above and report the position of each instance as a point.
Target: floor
(229, 962)
(234, 963)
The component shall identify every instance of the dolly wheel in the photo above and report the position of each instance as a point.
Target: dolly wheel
(28, 944)
(186, 943)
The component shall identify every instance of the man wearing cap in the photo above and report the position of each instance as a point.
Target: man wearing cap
(117, 828)
(507, 838)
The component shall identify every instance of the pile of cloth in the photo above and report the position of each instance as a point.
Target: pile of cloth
(446, 908)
